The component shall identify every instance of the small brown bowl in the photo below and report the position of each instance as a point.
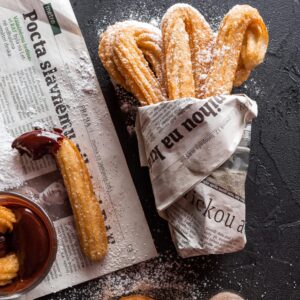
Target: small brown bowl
(33, 239)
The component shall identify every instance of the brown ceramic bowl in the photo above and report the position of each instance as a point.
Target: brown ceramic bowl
(34, 241)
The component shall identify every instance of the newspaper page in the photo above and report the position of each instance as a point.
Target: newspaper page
(47, 81)
(197, 153)
(210, 219)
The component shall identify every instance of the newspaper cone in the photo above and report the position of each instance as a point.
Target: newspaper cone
(197, 154)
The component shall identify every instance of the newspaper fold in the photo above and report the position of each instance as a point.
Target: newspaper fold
(188, 145)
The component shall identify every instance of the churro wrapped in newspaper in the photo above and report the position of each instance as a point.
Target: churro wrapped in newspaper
(197, 145)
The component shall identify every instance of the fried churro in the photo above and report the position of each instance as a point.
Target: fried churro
(187, 42)
(9, 267)
(86, 209)
(131, 53)
(193, 64)
(9, 264)
(241, 45)
(7, 219)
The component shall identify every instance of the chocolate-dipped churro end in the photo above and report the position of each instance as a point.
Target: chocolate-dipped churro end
(39, 142)
(86, 209)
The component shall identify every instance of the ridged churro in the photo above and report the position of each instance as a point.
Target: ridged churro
(131, 53)
(86, 209)
(192, 63)
(187, 43)
(241, 45)
(9, 267)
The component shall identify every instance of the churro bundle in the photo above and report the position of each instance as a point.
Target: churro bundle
(184, 60)
(197, 148)
(132, 55)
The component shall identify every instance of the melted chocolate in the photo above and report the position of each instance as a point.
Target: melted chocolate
(30, 241)
(39, 142)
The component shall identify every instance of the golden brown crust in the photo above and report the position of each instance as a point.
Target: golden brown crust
(7, 219)
(106, 53)
(86, 209)
(240, 46)
(9, 267)
(193, 64)
(187, 42)
(132, 63)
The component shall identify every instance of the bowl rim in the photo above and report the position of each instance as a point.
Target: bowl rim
(54, 248)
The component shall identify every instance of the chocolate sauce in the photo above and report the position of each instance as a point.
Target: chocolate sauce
(3, 246)
(33, 239)
(39, 142)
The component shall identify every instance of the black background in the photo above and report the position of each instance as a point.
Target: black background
(268, 268)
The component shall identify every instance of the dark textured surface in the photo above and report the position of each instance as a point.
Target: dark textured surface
(269, 267)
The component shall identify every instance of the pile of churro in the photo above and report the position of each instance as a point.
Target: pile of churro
(184, 58)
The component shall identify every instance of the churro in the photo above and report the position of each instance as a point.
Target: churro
(131, 53)
(241, 45)
(187, 42)
(192, 63)
(106, 53)
(86, 209)
(7, 219)
(9, 267)
(9, 264)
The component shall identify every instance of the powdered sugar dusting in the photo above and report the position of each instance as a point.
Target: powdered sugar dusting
(184, 6)
(85, 69)
(42, 125)
(161, 278)
(128, 104)
(156, 279)
(252, 87)
(11, 172)
(155, 21)
(153, 31)
(138, 13)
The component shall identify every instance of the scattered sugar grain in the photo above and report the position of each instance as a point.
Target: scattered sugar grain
(11, 171)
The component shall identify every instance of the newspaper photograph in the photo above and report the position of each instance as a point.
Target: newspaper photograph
(48, 81)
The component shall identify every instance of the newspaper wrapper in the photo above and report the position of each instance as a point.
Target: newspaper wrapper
(197, 153)
(48, 80)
